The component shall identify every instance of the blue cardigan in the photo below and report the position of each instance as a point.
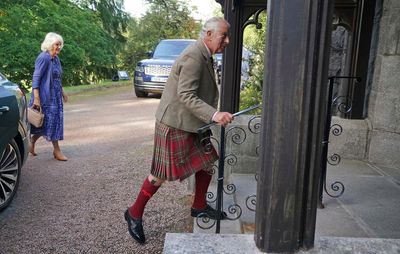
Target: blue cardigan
(42, 76)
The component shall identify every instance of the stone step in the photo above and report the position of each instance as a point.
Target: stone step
(176, 243)
(227, 226)
(245, 197)
(362, 210)
(239, 206)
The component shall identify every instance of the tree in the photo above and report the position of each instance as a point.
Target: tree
(19, 40)
(113, 18)
(165, 19)
(99, 37)
(254, 41)
(89, 53)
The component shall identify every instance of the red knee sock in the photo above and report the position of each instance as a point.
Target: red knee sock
(146, 192)
(202, 182)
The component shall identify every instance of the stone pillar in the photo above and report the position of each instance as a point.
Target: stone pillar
(384, 107)
(293, 121)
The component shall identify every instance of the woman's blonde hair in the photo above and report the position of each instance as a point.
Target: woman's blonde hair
(49, 41)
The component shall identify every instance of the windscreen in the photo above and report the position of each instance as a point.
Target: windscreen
(170, 49)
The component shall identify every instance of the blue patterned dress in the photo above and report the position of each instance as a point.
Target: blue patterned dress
(53, 124)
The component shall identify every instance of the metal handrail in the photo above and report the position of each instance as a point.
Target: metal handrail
(221, 162)
(207, 126)
(337, 186)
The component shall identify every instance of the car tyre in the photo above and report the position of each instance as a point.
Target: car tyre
(10, 171)
(140, 94)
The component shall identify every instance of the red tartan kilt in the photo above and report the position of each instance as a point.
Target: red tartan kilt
(177, 154)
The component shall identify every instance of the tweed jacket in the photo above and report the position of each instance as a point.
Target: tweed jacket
(190, 97)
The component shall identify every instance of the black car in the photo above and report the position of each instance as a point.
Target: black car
(14, 138)
(121, 75)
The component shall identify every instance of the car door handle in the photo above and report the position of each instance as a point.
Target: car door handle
(4, 109)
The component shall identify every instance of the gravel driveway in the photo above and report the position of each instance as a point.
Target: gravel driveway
(77, 206)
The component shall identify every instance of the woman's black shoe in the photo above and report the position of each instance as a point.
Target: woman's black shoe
(135, 228)
(208, 212)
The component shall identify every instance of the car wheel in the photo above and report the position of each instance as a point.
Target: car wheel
(10, 170)
(140, 94)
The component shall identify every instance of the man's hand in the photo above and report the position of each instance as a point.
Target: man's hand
(223, 118)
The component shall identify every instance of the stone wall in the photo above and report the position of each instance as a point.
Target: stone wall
(242, 144)
(384, 103)
(353, 140)
(377, 138)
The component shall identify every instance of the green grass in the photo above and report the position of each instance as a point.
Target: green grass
(102, 85)
(90, 90)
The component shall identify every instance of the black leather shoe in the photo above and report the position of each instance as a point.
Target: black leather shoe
(135, 228)
(208, 212)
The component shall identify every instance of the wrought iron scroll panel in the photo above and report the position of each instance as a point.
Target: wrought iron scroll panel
(343, 105)
(237, 135)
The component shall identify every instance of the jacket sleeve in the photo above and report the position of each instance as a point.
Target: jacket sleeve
(41, 65)
(190, 78)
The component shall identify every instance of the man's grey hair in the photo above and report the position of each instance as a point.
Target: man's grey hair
(212, 25)
(49, 41)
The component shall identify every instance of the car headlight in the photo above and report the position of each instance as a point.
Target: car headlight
(139, 68)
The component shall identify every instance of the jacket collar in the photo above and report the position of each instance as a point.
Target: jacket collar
(206, 54)
(203, 49)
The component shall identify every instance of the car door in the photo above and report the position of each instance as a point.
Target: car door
(9, 115)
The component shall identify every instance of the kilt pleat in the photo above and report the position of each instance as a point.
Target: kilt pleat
(177, 154)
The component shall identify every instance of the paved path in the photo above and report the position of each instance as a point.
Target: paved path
(365, 219)
(77, 206)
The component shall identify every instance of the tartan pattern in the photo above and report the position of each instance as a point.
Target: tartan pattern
(177, 154)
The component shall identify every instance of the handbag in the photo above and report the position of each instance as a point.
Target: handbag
(35, 117)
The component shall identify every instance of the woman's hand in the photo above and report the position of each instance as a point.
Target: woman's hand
(36, 103)
(36, 106)
(36, 99)
(65, 96)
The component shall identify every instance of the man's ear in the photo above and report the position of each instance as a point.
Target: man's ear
(209, 33)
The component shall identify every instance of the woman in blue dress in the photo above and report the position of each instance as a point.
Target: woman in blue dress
(48, 94)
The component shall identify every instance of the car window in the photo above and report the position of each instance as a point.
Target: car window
(123, 74)
(170, 49)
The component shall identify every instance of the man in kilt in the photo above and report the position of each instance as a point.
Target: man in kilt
(189, 101)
